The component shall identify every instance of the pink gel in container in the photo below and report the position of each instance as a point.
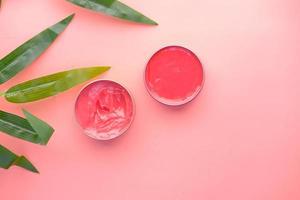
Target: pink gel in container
(174, 76)
(104, 109)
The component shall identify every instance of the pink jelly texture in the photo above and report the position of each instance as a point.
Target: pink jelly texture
(104, 109)
(174, 75)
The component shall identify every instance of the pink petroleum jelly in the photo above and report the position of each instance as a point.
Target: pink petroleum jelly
(174, 75)
(104, 109)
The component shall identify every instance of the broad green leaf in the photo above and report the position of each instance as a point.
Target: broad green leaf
(30, 128)
(114, 8)
(8, 159)
(51, 85)
(25, 54)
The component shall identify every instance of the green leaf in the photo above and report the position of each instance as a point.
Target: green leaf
(8, 159)
(30, 128)
(51, 85)
(114, 8)
(25, 54)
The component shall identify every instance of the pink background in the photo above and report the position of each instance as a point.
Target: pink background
(239, 140)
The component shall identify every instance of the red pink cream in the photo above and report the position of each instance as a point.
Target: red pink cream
(104, 109)
(174, 75)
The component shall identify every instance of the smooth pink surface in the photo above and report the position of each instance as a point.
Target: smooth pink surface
(104, 109)
(174, 75)
(239, 139)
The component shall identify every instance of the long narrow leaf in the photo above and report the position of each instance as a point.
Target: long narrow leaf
(51, 85)
(25, 54)
(114, 8)
(30, 128)
(8, 159)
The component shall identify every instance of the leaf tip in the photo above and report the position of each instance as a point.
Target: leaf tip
(106, 68)
(69, 18)
(155, 23)
(102, 68)
(152, 22)
(23, 162)
(35, 171)
(72, 15)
